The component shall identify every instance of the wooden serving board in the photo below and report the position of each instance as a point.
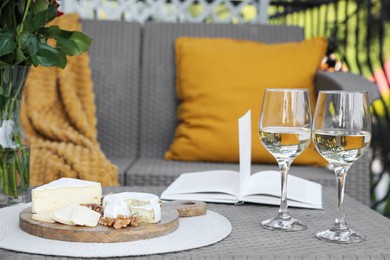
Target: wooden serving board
(170, 213)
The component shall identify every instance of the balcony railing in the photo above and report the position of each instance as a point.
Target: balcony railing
(196, 11)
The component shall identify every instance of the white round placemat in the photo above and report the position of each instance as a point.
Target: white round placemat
(192, 233)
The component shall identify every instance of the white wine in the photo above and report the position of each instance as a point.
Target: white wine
(340, 147)
(285, 142)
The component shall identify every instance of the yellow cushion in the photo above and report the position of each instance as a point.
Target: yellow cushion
(218, 80)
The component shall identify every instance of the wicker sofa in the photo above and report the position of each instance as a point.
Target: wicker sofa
(134, 80)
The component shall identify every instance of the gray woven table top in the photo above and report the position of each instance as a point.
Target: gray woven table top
(249, 241)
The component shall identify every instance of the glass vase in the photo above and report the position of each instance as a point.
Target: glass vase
(14, 145)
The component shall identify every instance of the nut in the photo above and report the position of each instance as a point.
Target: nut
(109, 222)
(134, 221)
(119, 222)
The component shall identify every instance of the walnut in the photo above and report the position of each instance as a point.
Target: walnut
(134, 221)
(119, 222)
(109, 222)
(95, 207)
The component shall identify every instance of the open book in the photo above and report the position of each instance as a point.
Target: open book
(233, 187)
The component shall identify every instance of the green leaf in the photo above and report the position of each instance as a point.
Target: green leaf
(7, 42)
(51, 13)
(30, 42)
(7, 17)
(39, 6)
(63, 61)
(48, 56)
(38, 21)
(73, 43)
(28, 23)
(19, 57)
(83, 41)
(53, 31)
(68, 47)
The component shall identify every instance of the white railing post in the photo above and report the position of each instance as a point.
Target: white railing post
(67, 6)
(262, 17)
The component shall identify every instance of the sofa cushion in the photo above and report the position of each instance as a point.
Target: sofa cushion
(218, 80)
(158, 117)
(115, 68)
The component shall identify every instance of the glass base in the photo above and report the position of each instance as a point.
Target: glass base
(283, 224)
(344, 236)
(6, 201)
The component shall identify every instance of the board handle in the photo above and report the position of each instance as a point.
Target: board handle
(187, 208)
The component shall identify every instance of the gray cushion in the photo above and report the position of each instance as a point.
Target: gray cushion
(115, 59)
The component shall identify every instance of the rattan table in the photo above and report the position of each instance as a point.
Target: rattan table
(250, 241)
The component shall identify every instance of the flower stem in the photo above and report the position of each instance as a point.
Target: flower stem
(14, 151)
(23, 19)
(12, 175)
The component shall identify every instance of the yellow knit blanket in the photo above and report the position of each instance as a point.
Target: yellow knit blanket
(58, 114)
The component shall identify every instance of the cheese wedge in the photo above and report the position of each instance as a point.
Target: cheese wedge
(65, 191)
(43, 217)
(133, 198)
(64, 215)
(148, 213)
(116, 206)
(84, 216)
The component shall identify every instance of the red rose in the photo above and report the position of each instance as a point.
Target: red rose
(58, 5)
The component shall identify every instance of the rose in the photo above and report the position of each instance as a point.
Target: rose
(59, 13)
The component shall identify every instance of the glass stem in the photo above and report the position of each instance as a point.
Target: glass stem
(341, 174)
(284, 166)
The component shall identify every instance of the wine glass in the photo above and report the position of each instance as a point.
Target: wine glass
(285, 130)
(341, 134)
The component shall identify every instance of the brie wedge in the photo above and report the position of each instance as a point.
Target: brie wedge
(43, 217)
(76, 215)
(84, 216)
(116, 206)
(65, 191)
(64, 215)
(148, 213)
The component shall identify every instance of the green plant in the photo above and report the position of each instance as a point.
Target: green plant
(26, 38)
(24, 35)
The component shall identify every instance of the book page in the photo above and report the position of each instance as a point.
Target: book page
(245, 144)
(216, 186)
(300, 192)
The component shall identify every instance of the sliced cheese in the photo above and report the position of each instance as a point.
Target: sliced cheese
(148, 213)
(43, 217)
(63, 192)
(116, 206)
(64, 215)
(84, 216)
(133, 198)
